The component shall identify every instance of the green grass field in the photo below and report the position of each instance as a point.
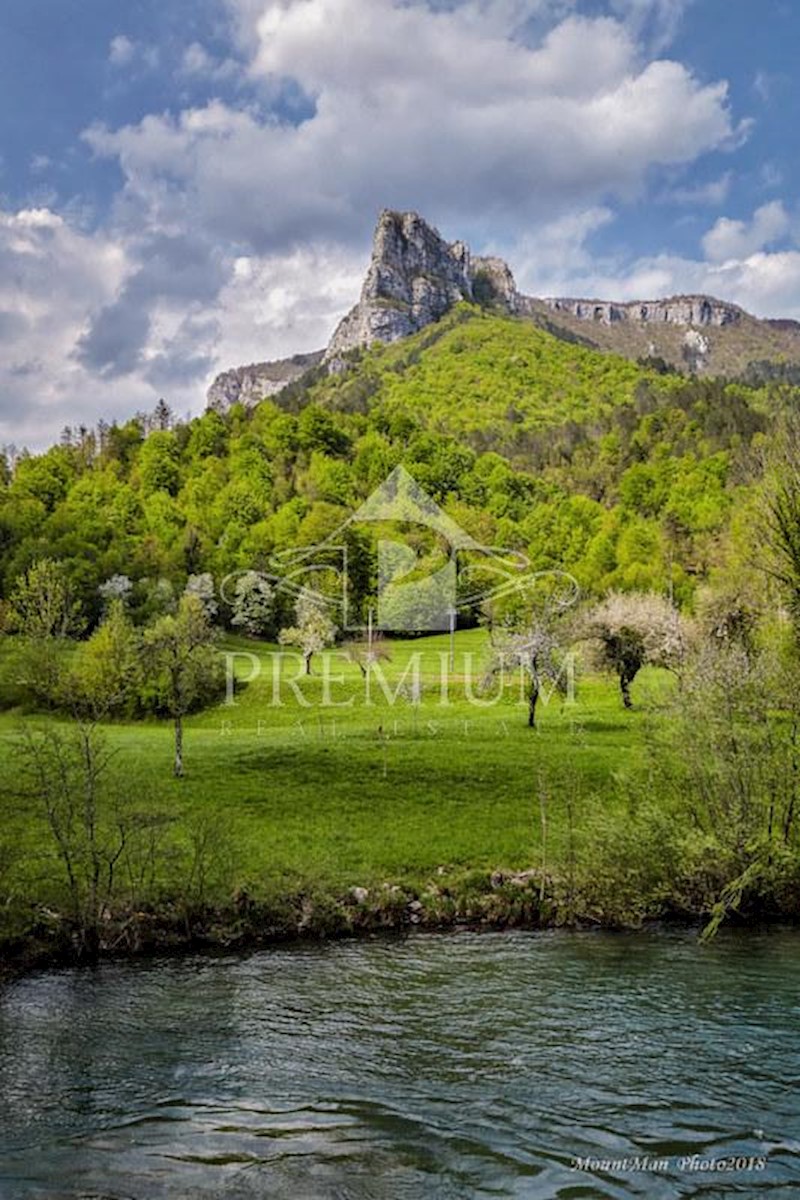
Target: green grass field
(352, 792)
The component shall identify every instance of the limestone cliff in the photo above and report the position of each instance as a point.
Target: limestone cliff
(677, 310)
(413, 278)
(248, 385)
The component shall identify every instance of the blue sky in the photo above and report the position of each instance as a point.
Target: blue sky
(186, 186)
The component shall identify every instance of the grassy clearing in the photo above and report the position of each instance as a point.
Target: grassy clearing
(359, 792)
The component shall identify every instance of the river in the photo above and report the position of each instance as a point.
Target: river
(435, 1066)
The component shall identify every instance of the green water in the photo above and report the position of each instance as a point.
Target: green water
(453, 1066)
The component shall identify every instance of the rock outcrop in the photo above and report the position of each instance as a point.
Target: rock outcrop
(493, 283)
(677, 310)
(251, 384)
(414, 278)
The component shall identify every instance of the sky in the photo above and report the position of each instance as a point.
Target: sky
(192, 185)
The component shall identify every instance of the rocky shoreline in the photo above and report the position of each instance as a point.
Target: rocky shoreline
(494, 900)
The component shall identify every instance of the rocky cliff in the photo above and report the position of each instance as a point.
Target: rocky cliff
(248, 385)
(414, 278)
(699, 311)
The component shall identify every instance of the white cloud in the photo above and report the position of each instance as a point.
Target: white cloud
(287, 303)
(436, 110)
(654, 22)
(764, 283)
(556, 250)
(241, 231)
(737, 239)
(121, 50)
(51, 278)
(124, 52)
(196, 61)
(711, 194)
(93, 331)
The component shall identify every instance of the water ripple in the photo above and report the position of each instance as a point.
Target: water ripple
(438, 1066)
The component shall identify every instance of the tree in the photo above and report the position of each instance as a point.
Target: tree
(105, 670)
(364, 652)
(635, 629)
(202, 586)
(42, 602)
(159, 463)
(106, 849)
(727, 765)
(253, 604)
(45, 614)
(313, 629)
(728, 614)
(529, 633)
(117, 587)
(162, 415)
(535, 650)
(781, 514)
(179, 649)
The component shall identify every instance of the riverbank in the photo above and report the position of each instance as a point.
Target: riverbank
(496, 900)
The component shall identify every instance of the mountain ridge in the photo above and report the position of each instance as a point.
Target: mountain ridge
(415, 277)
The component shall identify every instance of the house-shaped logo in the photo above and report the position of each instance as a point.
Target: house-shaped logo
(427, 565)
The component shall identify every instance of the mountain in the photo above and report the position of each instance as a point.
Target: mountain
(527, 436)
(249, 385)
(415, 277)
(697, 334)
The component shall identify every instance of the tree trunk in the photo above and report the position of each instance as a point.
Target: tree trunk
(179, 747)
(89, 947)
(307, 658)
(533, 696)
(625, 688)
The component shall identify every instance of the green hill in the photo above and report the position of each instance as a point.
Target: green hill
(582, 459)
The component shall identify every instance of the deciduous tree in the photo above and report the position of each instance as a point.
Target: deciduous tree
(179, 650)
(313, 629)
(631, 630)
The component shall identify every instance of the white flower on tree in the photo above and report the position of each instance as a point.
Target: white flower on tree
(631, 630)
(313, 629)
(202, 587)
(253, 604)
(117, 587)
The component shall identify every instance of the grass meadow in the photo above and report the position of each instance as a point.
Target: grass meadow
(309, 781)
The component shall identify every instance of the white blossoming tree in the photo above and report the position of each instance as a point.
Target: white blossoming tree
(253, 604)
(631, 630)
(312, 631)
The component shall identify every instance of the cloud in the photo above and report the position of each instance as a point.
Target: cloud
(51, 276)
(653, 22)
(241, 230)
(197, 61)
(737, 239)
(556, 250)
(437, 110)
(175, 274)
(93, 328)
(762, 282)
(286, 303)
(121, 50)
(40, 163)
(711, 194)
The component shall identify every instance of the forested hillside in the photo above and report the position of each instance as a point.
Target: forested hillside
(628, 477)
